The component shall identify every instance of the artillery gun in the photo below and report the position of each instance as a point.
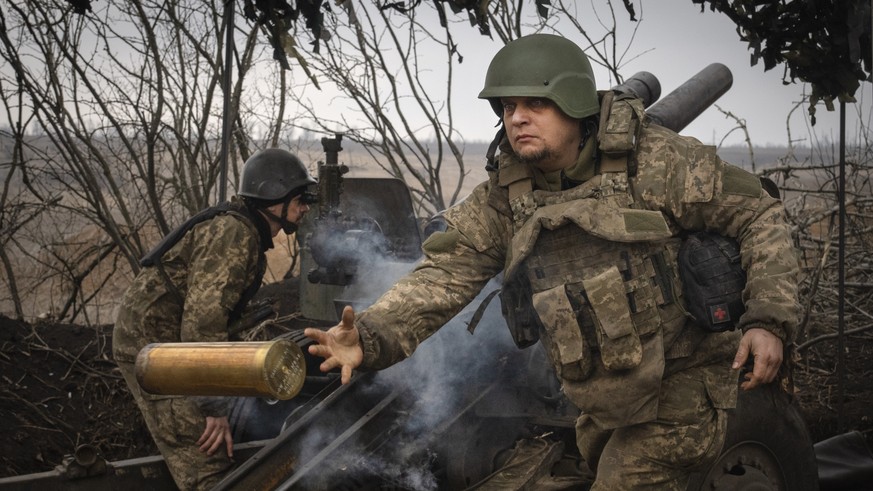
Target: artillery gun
(462, 413)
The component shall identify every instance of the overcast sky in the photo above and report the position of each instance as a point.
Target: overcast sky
(674, 42)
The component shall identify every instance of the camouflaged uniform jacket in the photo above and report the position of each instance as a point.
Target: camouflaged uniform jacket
(210, 268)
(686, 186)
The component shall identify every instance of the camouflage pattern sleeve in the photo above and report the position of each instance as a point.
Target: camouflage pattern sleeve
(223, 261)
(698, 191)
(456, 266)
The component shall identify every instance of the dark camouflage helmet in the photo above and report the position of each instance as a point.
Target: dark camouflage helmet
(543, 65)
(273, 173)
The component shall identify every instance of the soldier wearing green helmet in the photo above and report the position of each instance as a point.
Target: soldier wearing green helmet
(191, 288)
(584, 213)
(546, 66)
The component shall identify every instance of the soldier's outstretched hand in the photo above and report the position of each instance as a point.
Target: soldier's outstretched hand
(766, 347)
(340, 346)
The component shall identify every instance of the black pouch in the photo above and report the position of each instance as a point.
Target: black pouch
(524, 325)
(713, 280)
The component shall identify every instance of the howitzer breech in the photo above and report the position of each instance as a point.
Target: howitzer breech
(274, 369)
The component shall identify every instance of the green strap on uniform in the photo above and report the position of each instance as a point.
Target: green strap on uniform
(619, 130)
(517, 178)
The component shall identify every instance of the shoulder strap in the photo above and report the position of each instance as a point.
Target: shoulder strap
(621, 118)
(255, 285)
(154, 256)
(517, 178)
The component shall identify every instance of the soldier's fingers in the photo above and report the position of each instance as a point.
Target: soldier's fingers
(208, 443)
(346, 374)
(750, 383)
(769, 368)
(763, 372)
(207, 432)
(316, 335)
(742, 354)
(319, 350)
(323, 351)
(216, 442)
(229, 439)
(329, 364)
(348, 317)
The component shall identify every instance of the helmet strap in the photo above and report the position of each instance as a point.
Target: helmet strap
(589, 128)
(287, 226)
(492, 149)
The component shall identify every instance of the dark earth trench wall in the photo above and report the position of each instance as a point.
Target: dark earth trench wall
(59, 388)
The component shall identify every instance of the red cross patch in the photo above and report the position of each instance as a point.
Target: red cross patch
(719, 313)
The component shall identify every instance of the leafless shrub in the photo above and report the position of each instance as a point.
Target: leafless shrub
(116, 123)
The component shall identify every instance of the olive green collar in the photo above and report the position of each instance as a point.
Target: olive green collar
(581, 171)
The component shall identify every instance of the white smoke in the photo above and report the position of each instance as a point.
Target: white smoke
(433, 384)
(437, 377)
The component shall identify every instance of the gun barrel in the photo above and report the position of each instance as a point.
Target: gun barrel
(678, 108)
(274, 369)
(643, 85)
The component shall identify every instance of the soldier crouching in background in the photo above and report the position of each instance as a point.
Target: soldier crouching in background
(192, 286)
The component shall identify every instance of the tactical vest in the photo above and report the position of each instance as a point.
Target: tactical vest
(595, 276)
(154, 256)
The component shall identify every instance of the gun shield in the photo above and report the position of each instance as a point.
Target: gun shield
(274, 369)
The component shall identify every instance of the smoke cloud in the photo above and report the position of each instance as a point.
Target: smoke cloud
(434, 384)
(423, 394)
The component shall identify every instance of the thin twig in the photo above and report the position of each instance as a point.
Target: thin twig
(832, 335)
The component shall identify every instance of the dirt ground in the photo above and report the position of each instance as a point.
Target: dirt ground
(59, 389)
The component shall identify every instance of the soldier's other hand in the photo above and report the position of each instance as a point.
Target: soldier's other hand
(340, 346)
(217, 432)
(766, 347)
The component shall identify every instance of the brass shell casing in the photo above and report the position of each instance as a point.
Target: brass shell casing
(274, 369)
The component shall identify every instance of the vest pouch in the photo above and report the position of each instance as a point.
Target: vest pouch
(569, 350)
(620, 347)
(613, 399)
(518, 313)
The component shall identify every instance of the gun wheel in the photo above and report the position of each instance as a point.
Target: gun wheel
(767, 447)
(747, 465)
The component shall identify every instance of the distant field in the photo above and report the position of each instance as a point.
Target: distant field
(361, 164)
(43, 295)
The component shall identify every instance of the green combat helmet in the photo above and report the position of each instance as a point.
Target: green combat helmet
(543, 65)
(271, 174)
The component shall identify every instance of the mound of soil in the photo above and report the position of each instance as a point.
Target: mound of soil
(59, 389)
